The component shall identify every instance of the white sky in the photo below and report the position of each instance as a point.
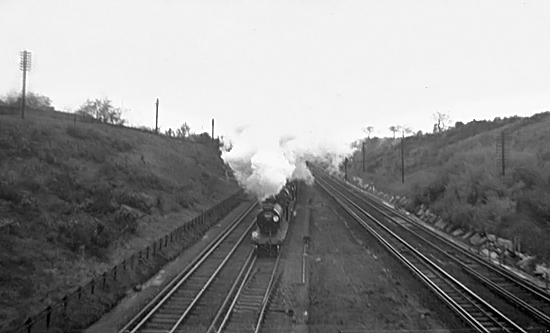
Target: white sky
(337, 66)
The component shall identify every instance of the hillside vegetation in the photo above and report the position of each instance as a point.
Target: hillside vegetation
(77, 197)
(456, 174)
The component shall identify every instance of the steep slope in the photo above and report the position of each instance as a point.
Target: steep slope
(458, 175)
(77, 197)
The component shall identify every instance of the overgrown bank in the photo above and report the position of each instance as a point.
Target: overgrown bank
(457, 174)
(75, 199)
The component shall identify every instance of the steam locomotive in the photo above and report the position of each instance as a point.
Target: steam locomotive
(273, 219)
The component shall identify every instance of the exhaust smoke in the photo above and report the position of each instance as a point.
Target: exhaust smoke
(264, 161)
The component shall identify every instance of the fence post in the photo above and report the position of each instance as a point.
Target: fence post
(104, 280)
(29, 324)
(93, 287)
(48, 316)
(114, 273)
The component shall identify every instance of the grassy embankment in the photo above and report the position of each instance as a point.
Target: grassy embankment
(455, 174)
(80, 198)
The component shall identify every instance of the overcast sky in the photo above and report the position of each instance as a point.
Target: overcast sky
(332, 65)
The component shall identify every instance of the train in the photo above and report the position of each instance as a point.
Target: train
(274, 218)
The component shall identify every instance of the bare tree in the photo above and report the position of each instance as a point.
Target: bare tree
(368, 130)
(183, 131)
(394, 129)
(404, 130)
(442, 121)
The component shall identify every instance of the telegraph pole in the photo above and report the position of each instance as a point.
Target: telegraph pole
(503, 156)
(403, 158)
(363, 149)
(25, 66)
(502, 151)
(212, 131)
(346, 169)
(157, 121)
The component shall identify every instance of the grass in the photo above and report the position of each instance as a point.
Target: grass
(84, 197)
(456, 175)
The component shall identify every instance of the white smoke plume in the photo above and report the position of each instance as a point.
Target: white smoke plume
(264, 161)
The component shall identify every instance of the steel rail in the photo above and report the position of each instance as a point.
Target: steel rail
(472, 308)
(235, 299)
(531, 306)
(267, 295)
(152, 307)
(245, 270)
(210, 280)
(252, 299)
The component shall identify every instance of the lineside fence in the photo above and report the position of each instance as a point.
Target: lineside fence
(81, 304)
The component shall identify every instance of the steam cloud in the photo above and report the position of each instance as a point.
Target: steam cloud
(263, 161)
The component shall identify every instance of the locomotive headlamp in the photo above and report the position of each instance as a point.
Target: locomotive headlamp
(275, 218)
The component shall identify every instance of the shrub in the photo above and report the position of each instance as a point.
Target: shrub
(121, 145)
(103, 201)
(81, 133)
(126, 220)
(9, 193)
(137, 200)
(94, 153)
(185, 200)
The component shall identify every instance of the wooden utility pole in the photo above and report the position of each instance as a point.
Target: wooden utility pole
(157, 119)
(502, 155)
(346, 169)
(25, 66)
(502, 152)
(212, 131)
(363, 149)
(403, 158)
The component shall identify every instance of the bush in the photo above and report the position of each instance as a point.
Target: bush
(81, 231)
(136, 200)
(185, 200)
(82, 133)
(103, 201)
(121, 146)
(126, 220)
(9, 193)
(94, 153)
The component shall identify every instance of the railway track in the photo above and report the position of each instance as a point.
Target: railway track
(521, 293)
(250, 302)
(532, 301)
(189, 302)
(474, 310)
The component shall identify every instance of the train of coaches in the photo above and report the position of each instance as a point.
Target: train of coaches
(273, 219)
